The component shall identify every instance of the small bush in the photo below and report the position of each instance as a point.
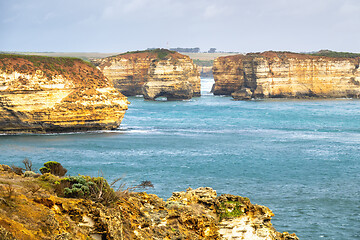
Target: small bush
(123, 192)
(17, 170)
(54, 168)
(230, 209)
(48, 177)
(96, 189)
(4, 234)
(9, 190)
(78, 187)
(31, 174)
(28, 164)
(44, 170)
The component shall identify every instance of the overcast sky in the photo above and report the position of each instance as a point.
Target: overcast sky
(228, 25)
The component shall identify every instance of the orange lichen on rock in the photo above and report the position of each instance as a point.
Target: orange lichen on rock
(285, 74)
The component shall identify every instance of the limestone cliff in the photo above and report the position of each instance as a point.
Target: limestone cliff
(152, 73)
(45, 94)
(285, 74)
(30, 209)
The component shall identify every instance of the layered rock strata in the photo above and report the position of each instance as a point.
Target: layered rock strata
(284, 74)
(44, 94)
(28, 211)
(153, 73)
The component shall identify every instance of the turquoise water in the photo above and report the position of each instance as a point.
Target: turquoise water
(299, 158)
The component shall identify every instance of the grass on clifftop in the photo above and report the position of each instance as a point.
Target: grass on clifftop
(204, 63)
(52, 63)
(67, 66)
(161, 52)
(329, 53)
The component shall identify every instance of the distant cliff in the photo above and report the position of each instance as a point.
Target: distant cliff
(285, 74)
(34, 208)
(152, 73)
(46, 94)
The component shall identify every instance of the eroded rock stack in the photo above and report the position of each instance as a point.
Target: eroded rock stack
(153, 73)
(284, 74)
(45, 94)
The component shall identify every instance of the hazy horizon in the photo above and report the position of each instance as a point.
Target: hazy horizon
(230, 26)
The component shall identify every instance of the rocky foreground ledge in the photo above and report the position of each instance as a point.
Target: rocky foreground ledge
(34, 206)
(46, 94)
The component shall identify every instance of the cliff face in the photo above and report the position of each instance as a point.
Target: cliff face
(28, 211)
(283, 74)
(43, 94)
(157, 69)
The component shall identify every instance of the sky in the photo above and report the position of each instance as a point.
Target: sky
(227, 25)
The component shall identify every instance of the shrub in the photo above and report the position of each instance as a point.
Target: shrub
(78, 187)
(329, 53)
(9, 190)
(230, 209)
(54, 168)
(28, 164)
(5, 234)
(31, 174)
(123, 192)
(96, 189)
(17, 170)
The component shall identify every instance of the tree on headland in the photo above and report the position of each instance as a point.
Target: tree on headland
(186, 50)
(212, 50)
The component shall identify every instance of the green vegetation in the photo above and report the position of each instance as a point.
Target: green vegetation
(187, 50)
(54, 168)
(230, 209)
(47, 64)
(204, 63)
(86, 56)
(161, 52)
(52, 179)
(93, 188)
(329, 53)
(39, 60)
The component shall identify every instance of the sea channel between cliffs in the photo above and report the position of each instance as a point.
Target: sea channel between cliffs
(298, 157)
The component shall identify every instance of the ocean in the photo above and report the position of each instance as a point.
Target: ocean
(300, 158)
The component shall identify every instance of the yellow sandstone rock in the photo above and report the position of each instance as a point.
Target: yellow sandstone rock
(152, 73)
(44, 94)
(284, 74)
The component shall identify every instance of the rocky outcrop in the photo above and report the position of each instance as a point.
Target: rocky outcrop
(175, 90)
(28, 211)
(45, 94)
(153, 73)
(284, 74)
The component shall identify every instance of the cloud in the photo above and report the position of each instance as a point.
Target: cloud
(350, 8)
(214, 10)
(234, 25)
